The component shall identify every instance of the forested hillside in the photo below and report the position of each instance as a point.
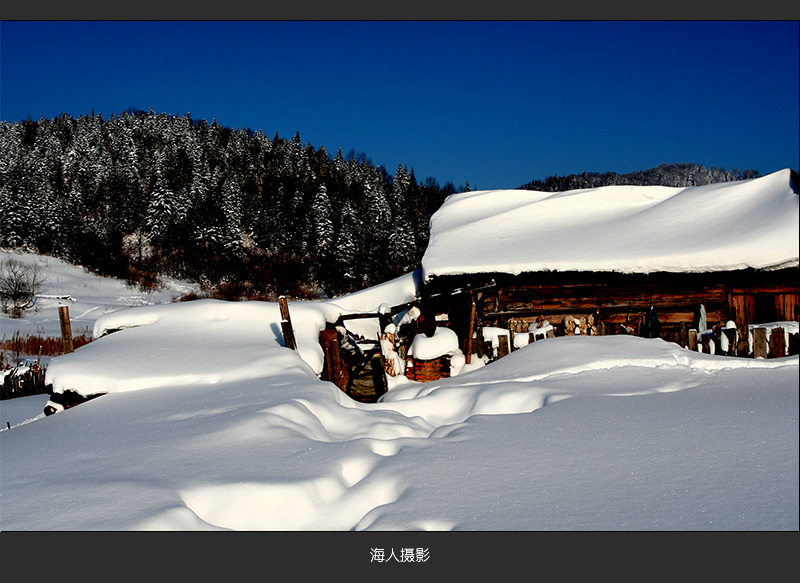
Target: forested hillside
(142, 195)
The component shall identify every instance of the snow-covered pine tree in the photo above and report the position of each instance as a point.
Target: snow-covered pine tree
(348, 245)
(402, 243)
(322, 225)
(231, 207)
(161, 204)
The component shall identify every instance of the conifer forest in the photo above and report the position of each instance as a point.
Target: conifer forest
(143, 195)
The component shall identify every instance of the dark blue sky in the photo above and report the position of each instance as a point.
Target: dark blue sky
(494, 103)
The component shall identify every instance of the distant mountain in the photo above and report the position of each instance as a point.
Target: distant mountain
(680, 175)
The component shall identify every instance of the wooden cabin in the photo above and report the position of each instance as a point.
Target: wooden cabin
(651, 261)
(665, 305)
(698, 266)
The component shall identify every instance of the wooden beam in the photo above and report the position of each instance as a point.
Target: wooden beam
(360, 316)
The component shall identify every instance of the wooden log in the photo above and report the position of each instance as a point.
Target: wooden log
(760, 347)
(692, 340)
(777, 343)
(66, 328)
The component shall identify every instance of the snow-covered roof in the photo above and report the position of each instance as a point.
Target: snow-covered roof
(626, 229)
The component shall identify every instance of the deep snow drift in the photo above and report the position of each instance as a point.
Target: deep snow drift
(210, 423)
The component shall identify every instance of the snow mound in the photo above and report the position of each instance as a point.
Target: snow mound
(631, 229)
(190, 343)
(540, 373)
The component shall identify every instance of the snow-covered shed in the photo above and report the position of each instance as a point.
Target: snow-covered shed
(649, 260)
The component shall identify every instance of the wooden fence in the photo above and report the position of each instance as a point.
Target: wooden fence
(23, 382)
(743, 341)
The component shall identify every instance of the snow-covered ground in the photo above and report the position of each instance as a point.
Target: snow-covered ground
(211, 423)
(88, 296)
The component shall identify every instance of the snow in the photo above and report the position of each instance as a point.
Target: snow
(443, 342)
(630, 229)
(210, 423)
(88, 296)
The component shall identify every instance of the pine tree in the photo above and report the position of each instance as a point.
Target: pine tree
(322, 222)
(348, 250)
(401, 236)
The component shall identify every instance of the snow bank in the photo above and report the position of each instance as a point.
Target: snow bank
(572, 433)
(190, 343)
(631, 229)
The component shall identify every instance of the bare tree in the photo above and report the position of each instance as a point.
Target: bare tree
(19, 284)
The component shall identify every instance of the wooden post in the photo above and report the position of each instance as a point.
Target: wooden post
(793, 344)
(471, 327)
(777, 343)
(286, 324)
(692, 340)
(428, 315)
(743, 344)
(66, 328)
(760, 348)
(332, 369)
(730, 333)
(502, 346)
(716, 339)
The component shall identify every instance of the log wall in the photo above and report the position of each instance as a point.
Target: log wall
(620, 301)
